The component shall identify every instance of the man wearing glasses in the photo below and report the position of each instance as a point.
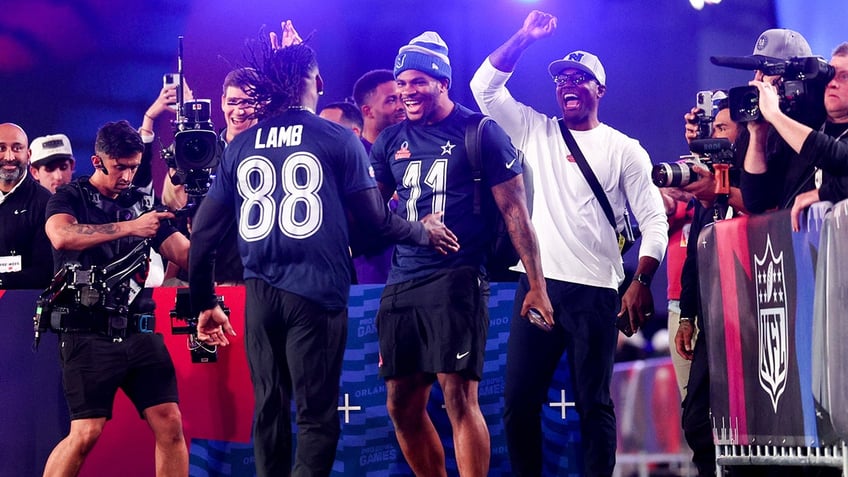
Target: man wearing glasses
(580, 255)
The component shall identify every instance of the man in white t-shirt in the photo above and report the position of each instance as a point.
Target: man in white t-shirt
(580, 255)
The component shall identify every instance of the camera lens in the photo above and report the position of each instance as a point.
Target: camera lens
(751, 104)
(673, 174)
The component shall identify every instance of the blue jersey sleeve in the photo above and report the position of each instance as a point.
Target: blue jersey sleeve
(223, 186)
(357, 173)
(381, 165)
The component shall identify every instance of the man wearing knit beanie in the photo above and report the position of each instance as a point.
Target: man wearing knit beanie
(433, 315)
(426, 52)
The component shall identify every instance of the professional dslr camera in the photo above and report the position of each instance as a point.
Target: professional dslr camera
(802, 83)
(195, 153)
(710, 153)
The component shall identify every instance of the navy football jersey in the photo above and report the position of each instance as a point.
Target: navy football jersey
(429, 168)
(287, 178)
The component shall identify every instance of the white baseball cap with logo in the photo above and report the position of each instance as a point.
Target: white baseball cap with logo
(50, 148)
(581, 60)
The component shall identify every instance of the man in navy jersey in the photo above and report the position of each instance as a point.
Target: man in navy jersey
(287, 182)
(433, 314)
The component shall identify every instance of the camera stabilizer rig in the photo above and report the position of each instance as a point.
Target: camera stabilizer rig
(106, 291)
(184, 322)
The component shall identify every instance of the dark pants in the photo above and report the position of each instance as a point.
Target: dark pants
(696, 410)
(585, 330)
(293, 347)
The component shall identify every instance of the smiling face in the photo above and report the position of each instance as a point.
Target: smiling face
(424, 97)
(578, 95)
(237, 107)
(14, 155)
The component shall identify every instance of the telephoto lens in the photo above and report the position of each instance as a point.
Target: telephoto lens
(674, 174)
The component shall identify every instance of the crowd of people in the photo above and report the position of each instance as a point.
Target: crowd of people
(381, 189)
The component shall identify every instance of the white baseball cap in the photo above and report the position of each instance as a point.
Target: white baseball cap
(49, 148)
(581, 60)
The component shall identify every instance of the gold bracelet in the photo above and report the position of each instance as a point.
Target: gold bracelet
(149, 116)
(145, 131)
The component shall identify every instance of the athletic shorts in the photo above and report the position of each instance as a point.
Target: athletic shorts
(94, 367)
(436, 324)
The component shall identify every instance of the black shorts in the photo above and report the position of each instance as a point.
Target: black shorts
(436, 324)
(94, 367)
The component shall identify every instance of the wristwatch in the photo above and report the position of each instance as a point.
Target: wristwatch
(643, 278)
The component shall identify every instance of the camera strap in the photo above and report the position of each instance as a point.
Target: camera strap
(592, 179)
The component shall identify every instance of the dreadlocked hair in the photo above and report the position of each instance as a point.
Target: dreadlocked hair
(275, 80)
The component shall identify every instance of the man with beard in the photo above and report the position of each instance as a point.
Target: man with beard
(25, 257)
(580, 253)
(433, 315)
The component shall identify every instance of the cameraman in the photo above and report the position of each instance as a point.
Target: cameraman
(98, 353)
(681, 211)
(825, 148)
(708, 207)
(773, 174)
(723, 127)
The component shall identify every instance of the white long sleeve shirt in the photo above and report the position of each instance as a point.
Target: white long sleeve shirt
(577, 243)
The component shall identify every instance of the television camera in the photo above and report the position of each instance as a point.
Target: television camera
(802, 83)
(196, 151)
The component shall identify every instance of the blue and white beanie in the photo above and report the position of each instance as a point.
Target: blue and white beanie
(427, 53)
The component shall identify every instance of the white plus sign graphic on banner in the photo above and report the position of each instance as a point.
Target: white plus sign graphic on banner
(562, 403)
(347, 408)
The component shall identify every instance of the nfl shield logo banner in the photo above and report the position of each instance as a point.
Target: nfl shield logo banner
(771, 323)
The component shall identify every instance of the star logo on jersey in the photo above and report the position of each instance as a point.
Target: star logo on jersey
(447, 148)
(403, 152)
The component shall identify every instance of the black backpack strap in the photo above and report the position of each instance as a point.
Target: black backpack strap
(587, 173)
(474, 151)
